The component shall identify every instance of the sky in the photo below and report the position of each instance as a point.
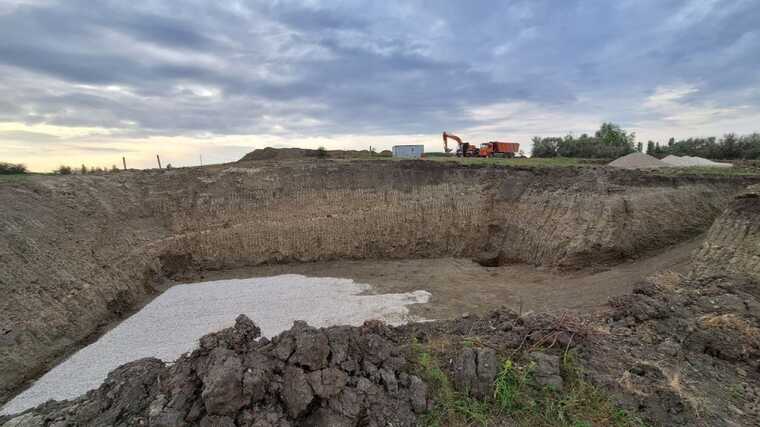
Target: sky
(91, 82)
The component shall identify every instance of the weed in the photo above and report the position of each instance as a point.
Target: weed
(518, 399)
(509, 385)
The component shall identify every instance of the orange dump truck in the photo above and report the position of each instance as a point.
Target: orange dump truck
(499, 149)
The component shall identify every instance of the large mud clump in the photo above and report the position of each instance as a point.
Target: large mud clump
(340, 376)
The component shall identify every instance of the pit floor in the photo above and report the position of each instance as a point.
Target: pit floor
(460, 286)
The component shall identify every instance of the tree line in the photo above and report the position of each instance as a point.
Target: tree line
(12, 168)
(611, 141)
(729, 147)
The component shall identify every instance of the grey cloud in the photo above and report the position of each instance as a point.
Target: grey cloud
(364, 67)
(25, 136)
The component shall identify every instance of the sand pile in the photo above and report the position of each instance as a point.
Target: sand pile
(638, 161)
(686, 161)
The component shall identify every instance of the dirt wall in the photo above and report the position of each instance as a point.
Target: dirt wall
(732, 245)
(78, 252)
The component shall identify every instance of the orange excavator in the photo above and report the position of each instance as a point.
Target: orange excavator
(487, 149)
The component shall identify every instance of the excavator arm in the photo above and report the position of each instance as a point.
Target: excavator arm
(446, 136)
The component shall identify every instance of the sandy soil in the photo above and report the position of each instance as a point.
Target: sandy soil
(460, 286)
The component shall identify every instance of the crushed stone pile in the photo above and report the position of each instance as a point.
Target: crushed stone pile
(686, 161)
(638, 161)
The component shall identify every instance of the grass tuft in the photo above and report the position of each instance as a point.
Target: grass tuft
(518, 400)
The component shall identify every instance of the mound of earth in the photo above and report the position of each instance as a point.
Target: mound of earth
(269, 153)
(638, 161)
(305, 376)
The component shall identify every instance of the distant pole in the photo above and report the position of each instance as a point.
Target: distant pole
(159, 161)
(201, 157)
(124, 162)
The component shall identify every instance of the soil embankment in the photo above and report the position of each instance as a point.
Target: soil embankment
(733, 244)
(78, 252)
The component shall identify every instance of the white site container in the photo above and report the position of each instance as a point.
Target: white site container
(408, 151)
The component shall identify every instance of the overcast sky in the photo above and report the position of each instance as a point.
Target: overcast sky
(92, 81)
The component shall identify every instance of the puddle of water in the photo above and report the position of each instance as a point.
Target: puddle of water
(172, 324)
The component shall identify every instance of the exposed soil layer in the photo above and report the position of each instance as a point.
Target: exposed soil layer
(733, 243)
(680, 350)
(79, 252)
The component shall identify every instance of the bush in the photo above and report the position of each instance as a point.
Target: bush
(64, 170)
(321, 152)
(545, 147)
(12, 168)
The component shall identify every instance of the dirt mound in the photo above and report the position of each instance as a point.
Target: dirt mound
(305, 376)
(685, 351)
(269, 153)
(340, 376)
(638, 161)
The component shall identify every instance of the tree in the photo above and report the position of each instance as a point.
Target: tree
(544, 147)
(650, 147)
(12, 168)
(640, 147)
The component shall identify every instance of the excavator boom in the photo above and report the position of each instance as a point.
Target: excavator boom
(446, 136)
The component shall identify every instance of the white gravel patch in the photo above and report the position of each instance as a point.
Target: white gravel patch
(686, 161)
(172, 324)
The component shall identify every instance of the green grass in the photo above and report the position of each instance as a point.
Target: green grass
(20, 176)
(518, 400)
(559, 162)
(527, 162)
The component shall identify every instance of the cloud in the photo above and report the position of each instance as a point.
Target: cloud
(165, 72)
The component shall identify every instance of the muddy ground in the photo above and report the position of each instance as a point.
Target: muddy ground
(460, 286)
